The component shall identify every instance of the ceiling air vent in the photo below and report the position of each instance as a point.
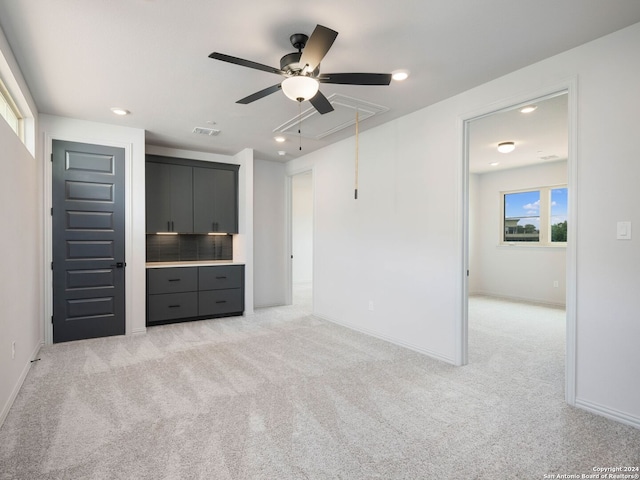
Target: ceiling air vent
(212, 132)
(549, 157)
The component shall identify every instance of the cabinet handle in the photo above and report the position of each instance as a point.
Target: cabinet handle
(221, 301)
(213, 226)
(172, 229)
(168, 226)
(174, 306)
(174, 280)
(221, 278)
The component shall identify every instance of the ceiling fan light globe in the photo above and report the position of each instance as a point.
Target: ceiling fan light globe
(300, 87)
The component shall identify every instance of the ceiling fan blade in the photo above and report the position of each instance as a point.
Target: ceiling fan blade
(321, 103)
(245, 63)
(317, 47)
(356, 78)
(260, 94)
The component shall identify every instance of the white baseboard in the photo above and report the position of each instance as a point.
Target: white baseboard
(268, 305)
(608, 413)
(519, 299)
(18, 385)
(395, 341)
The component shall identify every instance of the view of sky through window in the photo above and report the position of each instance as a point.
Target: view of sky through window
(525, 206)
(558, 205)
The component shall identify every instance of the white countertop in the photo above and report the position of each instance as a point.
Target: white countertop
(194, 263)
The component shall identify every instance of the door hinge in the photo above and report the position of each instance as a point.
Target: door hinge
(52, 211)
(51, 265)
(51, 318)
(467, 273)
(52, 157)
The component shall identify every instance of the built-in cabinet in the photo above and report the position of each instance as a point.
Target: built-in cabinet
(215, 194)
(169, 197)
(190, 196)
(190, 293)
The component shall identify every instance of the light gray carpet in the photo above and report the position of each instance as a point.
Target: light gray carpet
(282, 395)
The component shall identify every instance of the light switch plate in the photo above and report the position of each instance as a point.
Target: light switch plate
(623, 231)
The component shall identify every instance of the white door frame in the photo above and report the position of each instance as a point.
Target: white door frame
(462, 327)
(289, 233)
(48, 227)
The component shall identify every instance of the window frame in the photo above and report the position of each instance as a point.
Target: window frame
(7, 103)
(545, 228)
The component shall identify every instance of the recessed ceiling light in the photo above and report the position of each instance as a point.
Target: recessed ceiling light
(279, 139)
(494, 164)
(120, 111)
(506, 147)
(400, 75)
(528, 109)
(282, 153)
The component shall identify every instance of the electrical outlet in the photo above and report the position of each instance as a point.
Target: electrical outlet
(556, 284)
(371, 305)
(13, 350)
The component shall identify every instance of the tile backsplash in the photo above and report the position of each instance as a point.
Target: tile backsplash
(179, 248)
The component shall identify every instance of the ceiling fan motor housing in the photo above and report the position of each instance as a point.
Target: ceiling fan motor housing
(290, 63)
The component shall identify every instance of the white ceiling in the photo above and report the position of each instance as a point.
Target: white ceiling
(540, 136)
(151, 57)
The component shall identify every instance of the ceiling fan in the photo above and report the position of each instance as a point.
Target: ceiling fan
(301, 70)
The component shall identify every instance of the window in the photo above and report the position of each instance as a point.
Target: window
(9, 111)
(537, 216)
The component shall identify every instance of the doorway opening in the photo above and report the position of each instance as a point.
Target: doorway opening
(302, 240)
(514, 256)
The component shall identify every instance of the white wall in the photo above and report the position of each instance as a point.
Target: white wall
(400, 244)
(520, 272)
(21, 263)
(269, 233)
(132, 140)
(302, 228)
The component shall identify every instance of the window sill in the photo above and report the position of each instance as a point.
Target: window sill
(531, 245)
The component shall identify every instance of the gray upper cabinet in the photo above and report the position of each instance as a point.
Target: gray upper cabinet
(168, 198)
(191, 196)
(215, 200)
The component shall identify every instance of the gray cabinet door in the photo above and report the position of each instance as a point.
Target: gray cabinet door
(158, 202)
(169, 206)
(88, 241)
(215, 200)
(222, 277)
(220, 302)
(172, 306)
(172, 280)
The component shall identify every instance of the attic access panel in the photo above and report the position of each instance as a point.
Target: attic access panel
(317, 126)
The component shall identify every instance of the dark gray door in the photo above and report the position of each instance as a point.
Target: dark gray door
(88, 241)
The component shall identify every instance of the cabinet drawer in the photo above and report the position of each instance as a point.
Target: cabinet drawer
(172, 280)
(217, 278)
(172, 306)
(217, 302)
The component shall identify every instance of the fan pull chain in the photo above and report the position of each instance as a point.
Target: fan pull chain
(300, 124)
(357, 154)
